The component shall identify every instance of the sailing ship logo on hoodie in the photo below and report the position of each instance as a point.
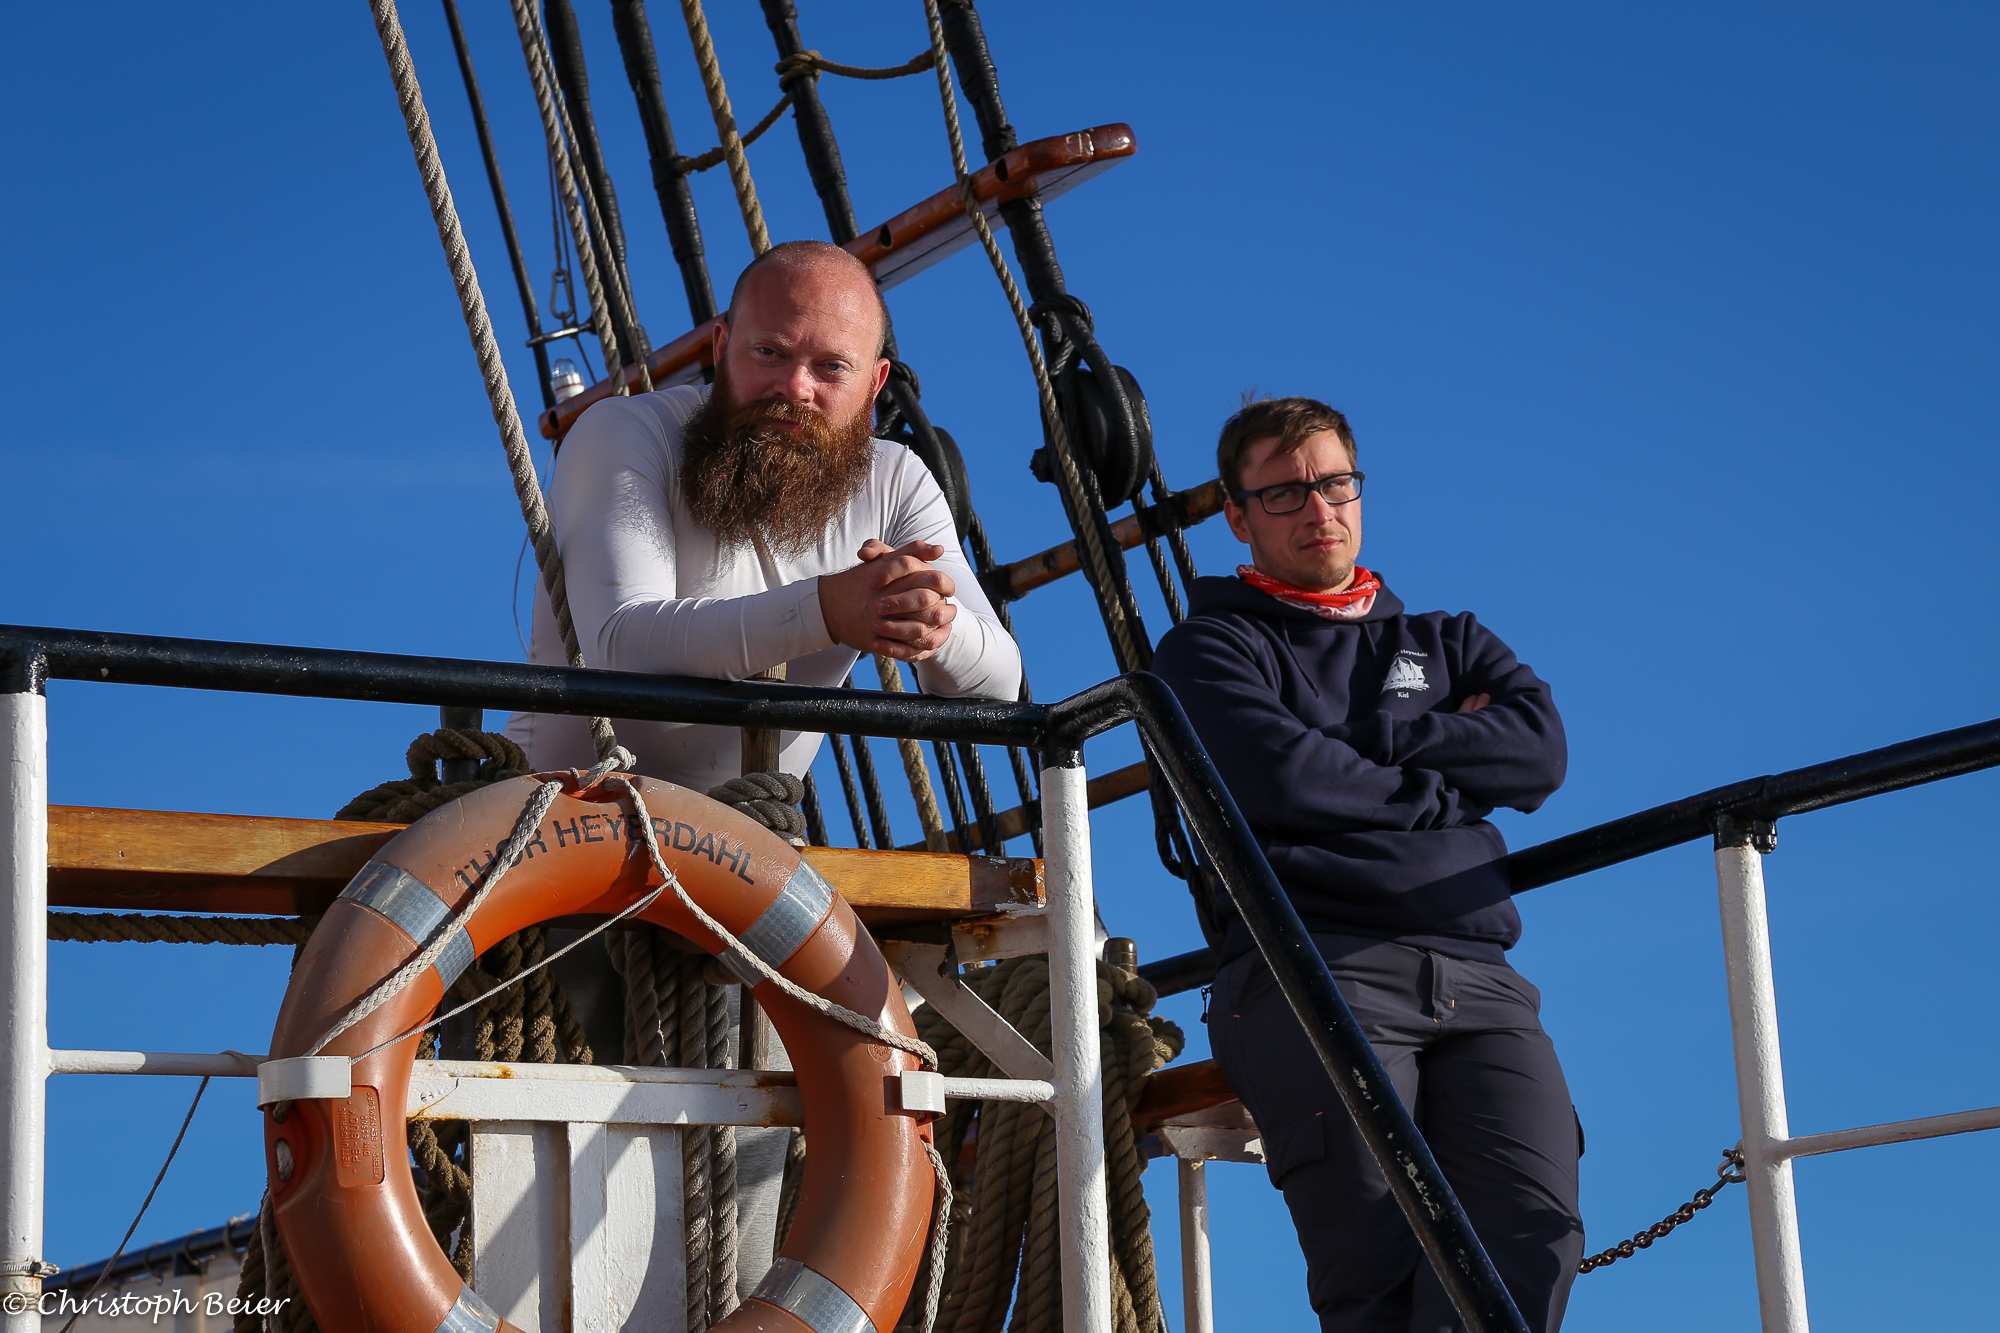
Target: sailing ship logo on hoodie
(1405, 675)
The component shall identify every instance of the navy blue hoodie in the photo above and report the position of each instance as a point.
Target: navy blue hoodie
(1369, 793)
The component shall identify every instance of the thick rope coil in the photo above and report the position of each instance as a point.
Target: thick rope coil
(407, 800)
(1059, 443)
(725, 124)
(772, 799)
(479, 326)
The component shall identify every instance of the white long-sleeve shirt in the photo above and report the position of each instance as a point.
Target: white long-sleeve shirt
(651, 590)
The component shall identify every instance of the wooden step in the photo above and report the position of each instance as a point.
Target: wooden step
(169, 861)
(904, 246)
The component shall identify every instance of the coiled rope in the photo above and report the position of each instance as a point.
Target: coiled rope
(1052, 422)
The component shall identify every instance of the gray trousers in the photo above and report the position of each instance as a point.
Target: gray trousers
(1464, 1046)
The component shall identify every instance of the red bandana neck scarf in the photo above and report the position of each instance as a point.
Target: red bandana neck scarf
(1356, 602)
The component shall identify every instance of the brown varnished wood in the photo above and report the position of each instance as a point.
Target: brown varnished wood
(902, 247)
(1099, 791)
(1024, 576)
(171, 861)
(1181, 1093)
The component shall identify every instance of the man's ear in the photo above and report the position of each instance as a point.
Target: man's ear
(1239, 522)
(718, 342)
(881, 377)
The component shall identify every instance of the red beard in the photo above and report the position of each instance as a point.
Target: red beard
(746, 478)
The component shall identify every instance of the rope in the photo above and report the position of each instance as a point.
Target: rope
(520, 463)
(687, 166)
(725, 124)
(107, 927)
(772, 799)
(914, 767)
(811, 64)
(1059, 442)
(405, 801)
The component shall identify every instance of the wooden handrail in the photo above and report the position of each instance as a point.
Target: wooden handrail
(169, 861)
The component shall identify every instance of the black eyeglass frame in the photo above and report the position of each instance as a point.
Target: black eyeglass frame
(1316, 484)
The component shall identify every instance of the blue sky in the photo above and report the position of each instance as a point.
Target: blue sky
(1666, 331)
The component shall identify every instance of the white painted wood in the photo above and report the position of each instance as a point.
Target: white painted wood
(1213, 1143)
(627, 1229)
(722, 1099)
(24, 1027)
(1760, 1089)
(1197, 1284)
(520, 1222)
(1079, 1100)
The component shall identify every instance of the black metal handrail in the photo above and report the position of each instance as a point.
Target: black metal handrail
(1912, 763)
(29, 656)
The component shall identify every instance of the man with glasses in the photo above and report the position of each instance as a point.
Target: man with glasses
(1366, 745)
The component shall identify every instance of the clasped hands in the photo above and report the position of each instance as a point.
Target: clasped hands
(892, 603)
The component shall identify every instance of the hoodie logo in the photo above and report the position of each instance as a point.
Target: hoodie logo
(1405, 675)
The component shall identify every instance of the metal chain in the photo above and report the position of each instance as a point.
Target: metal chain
(1729, 1173)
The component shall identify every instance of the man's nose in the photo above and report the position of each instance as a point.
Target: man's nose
(799, 385)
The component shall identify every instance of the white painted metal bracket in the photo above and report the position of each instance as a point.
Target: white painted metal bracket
(1009, 934)
(924, 967)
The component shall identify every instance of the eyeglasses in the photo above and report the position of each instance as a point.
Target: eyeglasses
(1288, 497)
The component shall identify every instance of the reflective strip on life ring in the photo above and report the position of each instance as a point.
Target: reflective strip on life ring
(346, 1205)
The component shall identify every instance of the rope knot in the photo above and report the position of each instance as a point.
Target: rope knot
(1046, 312)
(805, 65)
(900, 370)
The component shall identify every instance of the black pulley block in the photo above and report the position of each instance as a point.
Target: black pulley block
(1118, 450)
(947, 466)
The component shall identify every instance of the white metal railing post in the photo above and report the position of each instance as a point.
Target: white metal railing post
(24, 952)
(1760, 1073)
(1079, 1077)
(1197, 1279)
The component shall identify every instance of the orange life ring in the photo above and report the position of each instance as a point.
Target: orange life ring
(341, 1188)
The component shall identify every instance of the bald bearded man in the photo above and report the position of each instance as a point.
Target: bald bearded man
(723, 531)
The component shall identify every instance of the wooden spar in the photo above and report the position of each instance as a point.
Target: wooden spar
(903, 246)
(1183, 509)
(1102, 790)
(169, 861)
